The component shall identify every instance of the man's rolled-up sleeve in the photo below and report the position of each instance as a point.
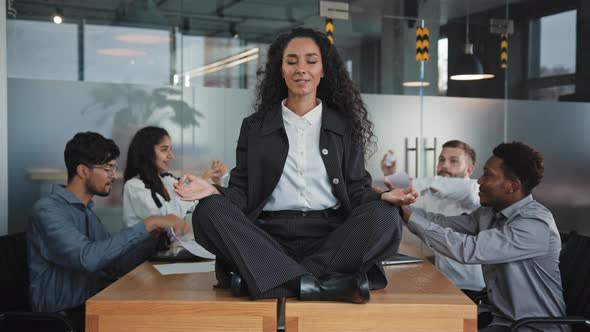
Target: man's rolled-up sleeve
(519, 239)
(64, 245)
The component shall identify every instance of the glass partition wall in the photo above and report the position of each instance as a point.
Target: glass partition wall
(190, 67)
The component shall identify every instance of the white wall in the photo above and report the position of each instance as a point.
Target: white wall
(3, 125)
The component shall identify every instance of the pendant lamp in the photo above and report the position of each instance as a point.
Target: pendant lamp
(469, 67)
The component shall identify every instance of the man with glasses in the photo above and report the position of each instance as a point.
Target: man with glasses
(71, 255)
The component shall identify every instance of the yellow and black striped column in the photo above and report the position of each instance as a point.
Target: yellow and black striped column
(503, 50)
(422, 44)
(330, 30)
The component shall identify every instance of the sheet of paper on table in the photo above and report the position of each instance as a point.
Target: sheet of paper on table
(183, 268)
(193, 247)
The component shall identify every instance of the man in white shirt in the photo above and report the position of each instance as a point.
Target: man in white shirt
(450, 193)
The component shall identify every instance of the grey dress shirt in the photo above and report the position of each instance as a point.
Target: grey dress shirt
(519, 252)
(70, 252)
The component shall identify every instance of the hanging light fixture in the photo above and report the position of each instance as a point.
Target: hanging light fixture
(469, 67)
(233, 32)
(58, 16)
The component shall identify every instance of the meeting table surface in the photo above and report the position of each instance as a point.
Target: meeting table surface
(417, 298)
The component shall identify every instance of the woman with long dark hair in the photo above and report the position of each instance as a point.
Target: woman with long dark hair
(299, 217)
(149, 188)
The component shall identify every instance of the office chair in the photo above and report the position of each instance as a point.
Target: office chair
(575, 275)
(15, 308)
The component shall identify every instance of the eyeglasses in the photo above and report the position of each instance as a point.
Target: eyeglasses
(108, 168)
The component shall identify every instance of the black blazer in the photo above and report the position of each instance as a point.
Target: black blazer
(262, 151)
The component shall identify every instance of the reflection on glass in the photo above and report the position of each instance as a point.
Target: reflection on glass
(558, 44)
(131, 55)
(443, 65)
(138, 65)
(42, 50)
(552, 93)
(219, 62)
(126, 55)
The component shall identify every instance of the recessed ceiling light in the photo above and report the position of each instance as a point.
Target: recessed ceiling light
(143, 39)
(120, 52)
(416, 84)
(58, 16)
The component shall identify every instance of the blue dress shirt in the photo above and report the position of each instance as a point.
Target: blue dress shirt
(70, 252)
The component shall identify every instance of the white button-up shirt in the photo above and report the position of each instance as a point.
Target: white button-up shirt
(138, 203)
(304, 184)
(453, 196)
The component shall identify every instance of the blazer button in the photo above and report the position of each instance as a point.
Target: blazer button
(324, 151)
(335, 181)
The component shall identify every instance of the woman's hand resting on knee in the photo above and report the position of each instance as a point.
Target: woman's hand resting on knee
(191, 188)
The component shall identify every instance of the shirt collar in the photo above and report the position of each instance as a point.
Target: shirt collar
(312, 117)
(511, 210)
(61, 191)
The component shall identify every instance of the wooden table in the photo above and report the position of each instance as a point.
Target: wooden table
(418, 298)
(144, 300)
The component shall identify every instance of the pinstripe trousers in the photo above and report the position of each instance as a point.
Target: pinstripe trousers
(267, 256)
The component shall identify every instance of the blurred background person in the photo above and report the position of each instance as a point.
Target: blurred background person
(149, 188)
(451, 192)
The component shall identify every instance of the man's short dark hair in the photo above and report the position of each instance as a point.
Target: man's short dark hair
(463, 146)
(523, 162)
(88, 149)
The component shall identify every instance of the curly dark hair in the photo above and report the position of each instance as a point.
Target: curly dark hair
(336, 90)
(141, 159)
(522, 162)
(88, 149)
